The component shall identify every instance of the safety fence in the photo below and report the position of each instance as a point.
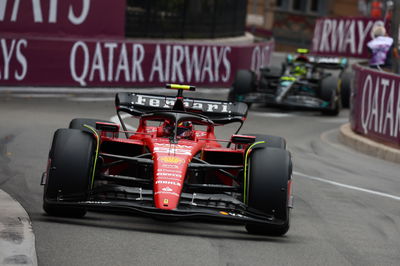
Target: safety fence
(375, 110)
(343, 36)
(82, 43)
(125, 63)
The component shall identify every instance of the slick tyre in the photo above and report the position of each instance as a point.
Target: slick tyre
(268, 185)
(270, 141)
(244, 83)
(330, 93)
(70, 166)
(345, 88)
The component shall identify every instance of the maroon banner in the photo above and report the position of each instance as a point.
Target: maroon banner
(87, 18)
(376, 104)
(63, 62)
(345, 36)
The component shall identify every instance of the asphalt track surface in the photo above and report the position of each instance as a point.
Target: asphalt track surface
(346, 204)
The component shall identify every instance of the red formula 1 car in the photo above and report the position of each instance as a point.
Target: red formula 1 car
(172, 165)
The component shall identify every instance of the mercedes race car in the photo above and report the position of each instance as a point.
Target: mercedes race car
(303, 81)
(172, 166)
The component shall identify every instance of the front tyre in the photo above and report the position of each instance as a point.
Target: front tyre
(70, 166)
(269, 175)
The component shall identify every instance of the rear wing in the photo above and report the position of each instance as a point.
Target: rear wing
(330, 62)
(220, 112)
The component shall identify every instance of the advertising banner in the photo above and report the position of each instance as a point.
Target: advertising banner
(343, 36)
(58, 18)
(376, 104)
(93, 62)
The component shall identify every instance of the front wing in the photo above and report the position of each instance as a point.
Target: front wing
(182, 212)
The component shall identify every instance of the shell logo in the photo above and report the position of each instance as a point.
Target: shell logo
(170, 159)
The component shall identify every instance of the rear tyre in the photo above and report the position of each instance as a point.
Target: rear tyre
(244, 83)
(269, 174)
(71, 160)
(329, 92)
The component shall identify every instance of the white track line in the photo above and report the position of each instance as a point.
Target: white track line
(348, 186)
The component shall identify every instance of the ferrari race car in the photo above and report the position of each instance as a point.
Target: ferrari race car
(172, 166)
(302, 82)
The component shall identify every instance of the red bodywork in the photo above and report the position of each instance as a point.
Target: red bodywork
(171, 159)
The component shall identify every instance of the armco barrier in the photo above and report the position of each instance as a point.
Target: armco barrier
(375, 110)
(342, 36)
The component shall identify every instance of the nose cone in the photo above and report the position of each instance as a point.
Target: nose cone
(169, 175)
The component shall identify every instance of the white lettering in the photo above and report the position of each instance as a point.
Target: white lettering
(72, 61)
(22, 60)
(177, 59)
(53, 11)
(76, 20)
(207, 67)
(123, 64)
(217, 61)
(362, 33)
(3, 5)
(227, 64)
(7, 56)
(110, 47)
(137, 59)
(365, 112)
(157, 65)
(154, 102)
(327, 28)
(15, 10)
(97, 64)
(193, 61)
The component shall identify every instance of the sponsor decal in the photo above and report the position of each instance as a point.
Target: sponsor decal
(166, 193)
(169, 174)
(165, 201)
(171, 166)
(342, 36)
(172, 150)
(380, 106)
(166, 182)
(205, 106)
(172, 145)
(168, 189)
(171, 159)
(169, 170)
(14, 61)
(95, 202)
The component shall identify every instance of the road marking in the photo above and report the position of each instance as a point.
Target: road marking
(348, 186)
(115, 120)
(339, 120)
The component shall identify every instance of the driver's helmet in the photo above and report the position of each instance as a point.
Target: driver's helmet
(185, 130)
